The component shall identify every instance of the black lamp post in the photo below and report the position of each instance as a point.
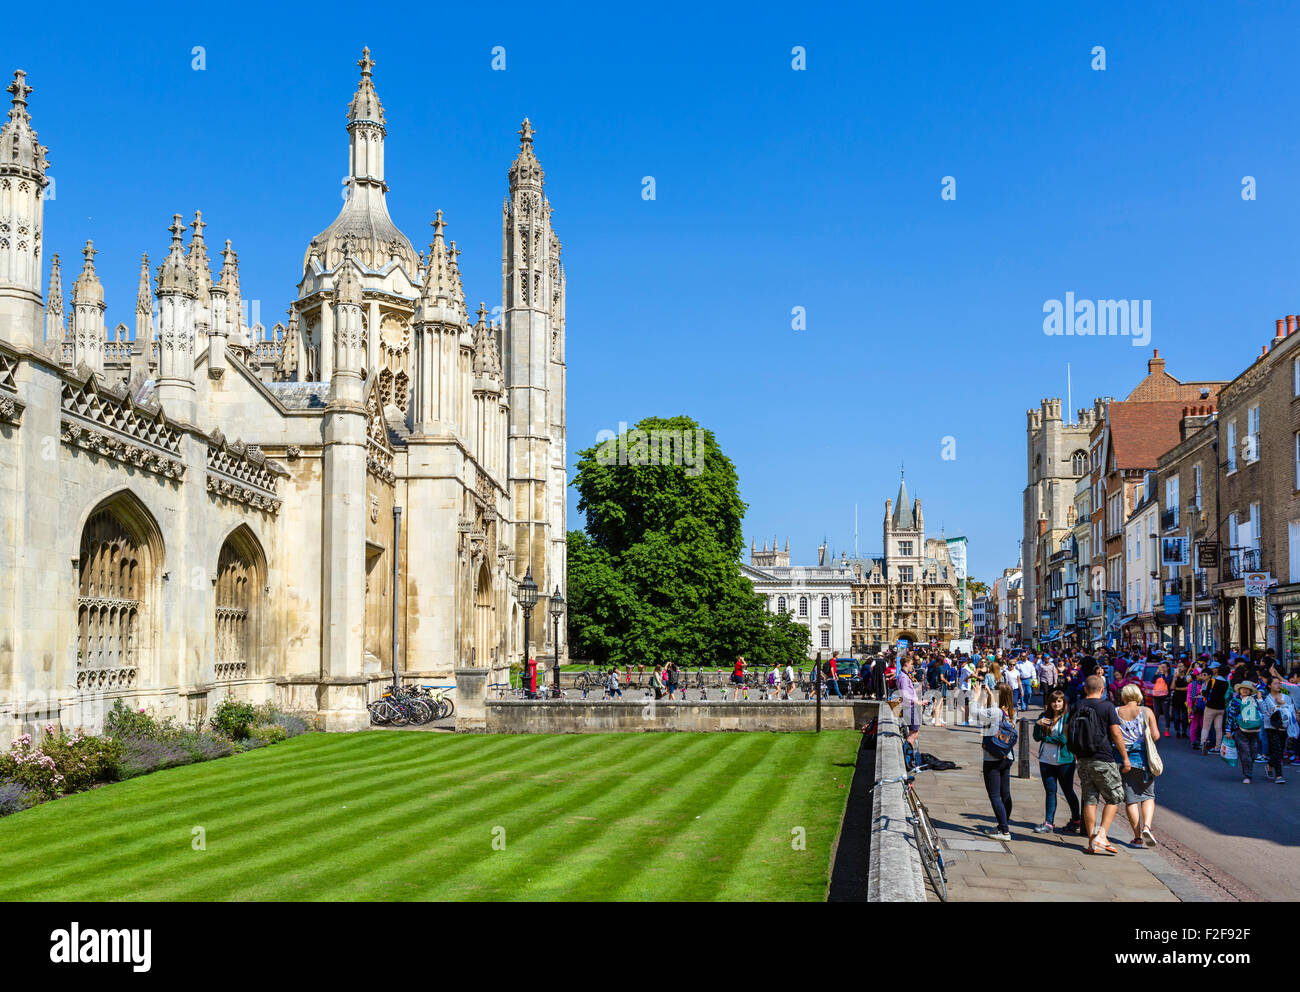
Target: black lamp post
(527, 599)
(557, 611)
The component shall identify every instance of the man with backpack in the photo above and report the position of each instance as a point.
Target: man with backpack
(1093, 736)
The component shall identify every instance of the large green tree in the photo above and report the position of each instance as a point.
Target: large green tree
(656, 575)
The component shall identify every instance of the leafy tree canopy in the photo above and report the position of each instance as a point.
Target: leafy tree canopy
(656, 575)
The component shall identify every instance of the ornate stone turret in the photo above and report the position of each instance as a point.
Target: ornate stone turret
(345, 381)
(437, 392)
(88, 333)
(22, 206)
(197, 257)
(364, 218)
(222, 295)
(144, 304)
(55, 330)
(177, 297)
(487, 358)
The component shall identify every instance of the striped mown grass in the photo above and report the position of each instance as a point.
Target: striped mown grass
(406, 816)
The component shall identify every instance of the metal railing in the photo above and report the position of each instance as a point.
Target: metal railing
(1238, 563)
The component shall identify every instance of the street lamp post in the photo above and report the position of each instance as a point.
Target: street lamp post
(527, 599)
(557, 611)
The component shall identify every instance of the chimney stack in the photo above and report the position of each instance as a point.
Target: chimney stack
(1155, 363)
(1279, 332)
(1290, 324)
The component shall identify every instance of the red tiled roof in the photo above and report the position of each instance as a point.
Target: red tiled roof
(1140, 432)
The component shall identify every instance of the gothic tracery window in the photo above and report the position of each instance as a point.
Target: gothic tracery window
(109, 594)
(235, 581)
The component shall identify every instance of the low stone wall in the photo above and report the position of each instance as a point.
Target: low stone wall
(596, 716)
(895, 873)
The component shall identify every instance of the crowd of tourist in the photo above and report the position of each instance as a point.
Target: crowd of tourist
(1102, 722)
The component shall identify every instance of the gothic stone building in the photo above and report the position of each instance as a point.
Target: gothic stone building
(204, 508)
(909, 591)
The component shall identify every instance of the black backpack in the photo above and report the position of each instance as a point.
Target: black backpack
(1085, 734)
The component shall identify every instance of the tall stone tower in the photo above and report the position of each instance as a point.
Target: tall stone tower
(533, 324)
(22, 208)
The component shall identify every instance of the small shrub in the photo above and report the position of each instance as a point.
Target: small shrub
(270, 733)
(123, 721)
(293, 723)
(204, 747)
(32, 768)
(142, 755)
(233, 718)
(14, 798)
(83, 760)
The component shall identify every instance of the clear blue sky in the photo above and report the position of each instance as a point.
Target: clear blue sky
(775, 189)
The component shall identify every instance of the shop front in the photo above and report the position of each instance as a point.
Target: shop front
(1284, 602)
(1243, 619)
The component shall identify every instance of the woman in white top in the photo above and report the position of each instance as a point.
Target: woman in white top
(997, 771)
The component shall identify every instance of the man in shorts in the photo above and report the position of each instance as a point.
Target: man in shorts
(1099, 775)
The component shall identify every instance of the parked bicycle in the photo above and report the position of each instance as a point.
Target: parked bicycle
(400, 708)
(444, 706)
(927, 837)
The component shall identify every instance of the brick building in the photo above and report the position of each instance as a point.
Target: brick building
(1186, 485)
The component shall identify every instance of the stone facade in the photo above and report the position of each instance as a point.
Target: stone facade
(908, 591)
(204, 508)
(816, 595)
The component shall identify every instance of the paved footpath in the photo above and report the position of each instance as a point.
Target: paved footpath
(1033, 867)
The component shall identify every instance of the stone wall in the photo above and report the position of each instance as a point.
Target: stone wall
(594, 716)
(895, 871)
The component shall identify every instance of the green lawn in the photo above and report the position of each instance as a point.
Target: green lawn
(389, 815)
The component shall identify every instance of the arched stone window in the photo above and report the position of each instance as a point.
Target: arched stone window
(803, 606)
(826, 606)
(119, 552)
(1079, 462)
(780, 604)
(240, 569)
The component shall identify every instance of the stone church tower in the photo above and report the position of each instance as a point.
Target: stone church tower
(533, 308)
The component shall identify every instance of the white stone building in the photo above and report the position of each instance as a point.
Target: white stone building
(207, 508)
(1142, 597)
(818, 596)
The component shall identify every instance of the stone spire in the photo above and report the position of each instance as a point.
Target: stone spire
(364, 219)
(439, 276)
(457, 290)
(175, 274)
(55, 330)
(144, 308)
(365, 105)
(290, 355)
(487, 359)
(526, 170)
(903, 519)
(177, 295)
(197, 257)
(88, 334)
(22, 176)
(224, 295)
(144, 293)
